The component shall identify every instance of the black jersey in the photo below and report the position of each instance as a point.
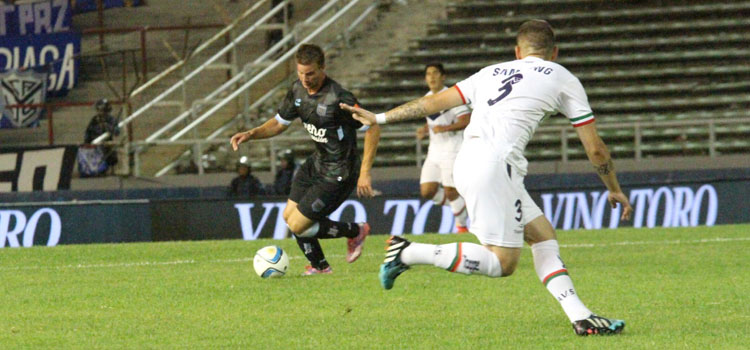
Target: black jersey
(333, 129)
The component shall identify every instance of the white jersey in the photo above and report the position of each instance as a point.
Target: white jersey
(510, 99)
(450, 141)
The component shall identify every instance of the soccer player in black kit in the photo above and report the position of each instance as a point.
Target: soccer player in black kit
(332, 172)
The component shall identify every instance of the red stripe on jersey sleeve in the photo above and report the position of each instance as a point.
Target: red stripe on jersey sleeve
(460, 93)
(585, 123)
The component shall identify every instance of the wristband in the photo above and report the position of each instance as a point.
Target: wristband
(380, 118)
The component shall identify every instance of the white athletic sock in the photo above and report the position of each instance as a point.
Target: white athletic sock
(466, 258)
(552, 272)
(459, 211)
(439, 197)
(418, 254)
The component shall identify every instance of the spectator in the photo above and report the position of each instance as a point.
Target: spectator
(245, 184)
(282, 184)
(97, 160)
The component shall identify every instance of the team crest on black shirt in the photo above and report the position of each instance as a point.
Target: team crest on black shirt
(321, 110)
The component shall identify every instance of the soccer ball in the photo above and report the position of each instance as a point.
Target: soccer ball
(271, 261)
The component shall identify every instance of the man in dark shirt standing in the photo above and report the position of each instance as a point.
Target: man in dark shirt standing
(245, 185)
(103, 122)
(332, 172)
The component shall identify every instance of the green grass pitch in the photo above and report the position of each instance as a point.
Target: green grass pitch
(682, 288)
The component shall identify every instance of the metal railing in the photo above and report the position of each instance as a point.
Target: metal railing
(216, 134)
(564, 132)
(243, 74)
(640, 126)
(257, 77)
(181, 63)
(222, 33)
(345, 36)
(251, 75)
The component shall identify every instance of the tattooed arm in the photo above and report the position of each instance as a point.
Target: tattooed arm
(599, 156)
(411, 110)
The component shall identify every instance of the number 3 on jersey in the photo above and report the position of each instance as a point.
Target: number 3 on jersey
(518, 210)
(506, 88)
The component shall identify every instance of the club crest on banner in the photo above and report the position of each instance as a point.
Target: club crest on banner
(17, 88)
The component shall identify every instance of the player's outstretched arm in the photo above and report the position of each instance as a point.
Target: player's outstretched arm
(270, 128)
(364, 183)
(411, 110)
(599, 156)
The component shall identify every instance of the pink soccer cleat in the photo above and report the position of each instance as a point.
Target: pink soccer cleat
(309, 271)
(355, 245)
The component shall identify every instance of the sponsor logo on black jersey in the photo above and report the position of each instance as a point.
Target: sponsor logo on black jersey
(318, 135)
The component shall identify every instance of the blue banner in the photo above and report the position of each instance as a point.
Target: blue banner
(44, 17)
(90, 5)
(52, 54)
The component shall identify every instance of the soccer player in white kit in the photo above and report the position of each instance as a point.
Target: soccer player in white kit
(509, 101)
(444, 129)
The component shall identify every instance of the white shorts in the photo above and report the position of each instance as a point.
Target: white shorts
(438, 168)
(497, 201)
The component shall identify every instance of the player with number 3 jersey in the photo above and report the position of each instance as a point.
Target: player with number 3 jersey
(509, 100)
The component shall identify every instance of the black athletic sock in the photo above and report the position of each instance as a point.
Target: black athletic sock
(334, 229)
(313, 252)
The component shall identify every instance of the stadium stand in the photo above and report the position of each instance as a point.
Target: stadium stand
(656, 73)
(641, 62)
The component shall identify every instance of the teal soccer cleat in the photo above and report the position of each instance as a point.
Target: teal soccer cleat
(392, 265)
(597, 325)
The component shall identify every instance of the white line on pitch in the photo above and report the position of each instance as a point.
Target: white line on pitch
(248, 259)
(676, 241)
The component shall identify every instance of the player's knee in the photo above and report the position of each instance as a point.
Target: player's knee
(535, 236)
(297, 228)
(508, 268)
(427, 193)
(303, 228)
(507, 263)
(538, 230)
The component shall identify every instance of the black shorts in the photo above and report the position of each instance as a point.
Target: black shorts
(317, 197)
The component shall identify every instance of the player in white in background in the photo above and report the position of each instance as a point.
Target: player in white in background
(444, 128)
(509, 99)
